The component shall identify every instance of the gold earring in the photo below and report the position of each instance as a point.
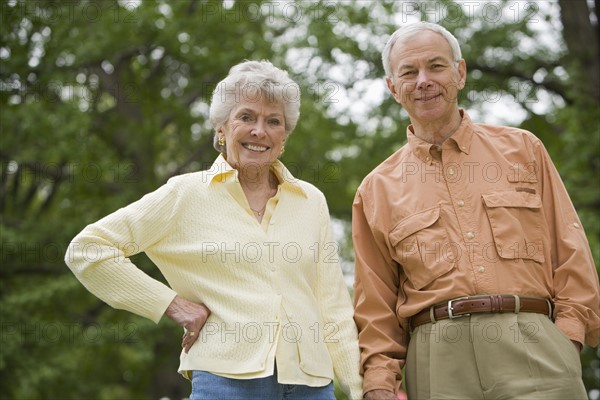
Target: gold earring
(221, 141)
(282, 149)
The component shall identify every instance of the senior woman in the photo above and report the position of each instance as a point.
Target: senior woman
(248, 255)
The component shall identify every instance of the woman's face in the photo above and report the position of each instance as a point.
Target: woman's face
(254, 133)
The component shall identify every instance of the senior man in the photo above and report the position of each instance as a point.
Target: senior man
(473, 270)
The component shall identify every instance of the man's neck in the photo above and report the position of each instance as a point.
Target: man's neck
(436, 132)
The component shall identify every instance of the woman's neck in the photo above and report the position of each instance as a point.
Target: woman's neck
(255, 179)
(258, 189)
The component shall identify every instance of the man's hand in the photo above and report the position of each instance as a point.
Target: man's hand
(380, 394)
(191, 316)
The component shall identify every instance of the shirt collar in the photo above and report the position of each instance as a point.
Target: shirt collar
(222, 172)
(461, 139)
(464, 134)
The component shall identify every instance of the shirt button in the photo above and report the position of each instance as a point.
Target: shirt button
(460, 203)
(451, 171)
(470, 235)
(428, 159)
(481, 269)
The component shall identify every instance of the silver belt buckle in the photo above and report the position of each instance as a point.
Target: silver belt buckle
(450, 308)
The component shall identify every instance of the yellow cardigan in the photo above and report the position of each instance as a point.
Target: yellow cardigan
(263, 284)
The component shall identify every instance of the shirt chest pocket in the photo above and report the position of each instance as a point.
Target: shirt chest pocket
(421, 245)
(517, 222)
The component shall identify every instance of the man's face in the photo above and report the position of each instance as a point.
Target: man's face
(425, 78)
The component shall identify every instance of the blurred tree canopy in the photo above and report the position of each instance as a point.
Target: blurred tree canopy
(103, 101)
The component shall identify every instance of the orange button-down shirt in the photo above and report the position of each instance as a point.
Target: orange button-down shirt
(484, 213)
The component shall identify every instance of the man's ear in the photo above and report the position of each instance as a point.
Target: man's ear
(462, 73)
(392, 87)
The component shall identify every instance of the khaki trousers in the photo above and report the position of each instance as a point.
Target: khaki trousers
(493, 356)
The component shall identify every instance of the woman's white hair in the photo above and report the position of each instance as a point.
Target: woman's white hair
(252, 81)
(407, 31)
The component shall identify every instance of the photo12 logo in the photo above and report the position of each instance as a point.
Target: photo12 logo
(454, 12)
(44, 333)
(270, 11)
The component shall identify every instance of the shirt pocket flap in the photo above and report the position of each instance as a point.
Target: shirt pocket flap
(516, 220)
(512, 199)
(413, 224)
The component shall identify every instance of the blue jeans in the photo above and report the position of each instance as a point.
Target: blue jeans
(206, 386)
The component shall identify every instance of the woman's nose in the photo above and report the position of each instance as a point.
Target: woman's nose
(259, 128)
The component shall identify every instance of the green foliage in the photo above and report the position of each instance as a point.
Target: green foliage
(103, 101)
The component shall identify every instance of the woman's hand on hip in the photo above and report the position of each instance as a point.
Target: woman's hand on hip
(191, 316)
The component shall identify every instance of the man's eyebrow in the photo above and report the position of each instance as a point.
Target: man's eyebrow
(438, 59)
(406, 66)
(433, 59)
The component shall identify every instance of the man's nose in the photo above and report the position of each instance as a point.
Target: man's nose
(423, 80)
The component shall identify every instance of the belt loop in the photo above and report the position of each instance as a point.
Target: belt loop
(517, 303)
(549, 308)
(495, 303)
(432, 314)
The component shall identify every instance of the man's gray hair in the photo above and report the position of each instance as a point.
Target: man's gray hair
(407, 31)
(253, 81)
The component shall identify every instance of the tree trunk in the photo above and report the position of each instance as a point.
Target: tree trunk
(583, 43)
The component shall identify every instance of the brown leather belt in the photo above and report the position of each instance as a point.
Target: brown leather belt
(465, 306)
